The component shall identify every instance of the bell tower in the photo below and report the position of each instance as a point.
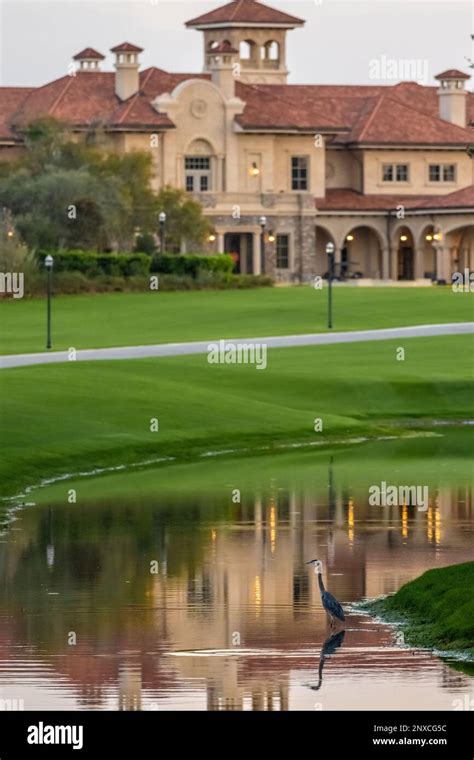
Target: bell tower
(256, 32)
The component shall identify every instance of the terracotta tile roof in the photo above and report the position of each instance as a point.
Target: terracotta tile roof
(426, 98)
(11, 99)
(452, 74)
(406, 113)
(368, 114)
(88, 98)
(459, 199)
(346, 199)
(385, 120)
(350, 200)
(245, 11)
(299, 107)
(126, 47)
(88, 53)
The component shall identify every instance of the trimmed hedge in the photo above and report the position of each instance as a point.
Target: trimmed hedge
(191, 265)
(214, 281)
(96, 264)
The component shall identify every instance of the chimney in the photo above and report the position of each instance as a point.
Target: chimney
(222, 64)
(452, 96)
(127, 80)
(89, 60)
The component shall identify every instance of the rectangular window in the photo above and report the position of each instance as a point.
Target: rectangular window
(198, 163)
(402, 172)
(442, 172)
(299, 173)
(198, 173)
(395, 173)
(282, 251)
(449, 173)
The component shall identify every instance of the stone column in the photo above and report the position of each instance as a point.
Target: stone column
(418, 263)
(393, 255)
(440, 273)
(306, 241)
(219, 173)
(337, 261)
(386, 263)
(256, 253)
(220, 242)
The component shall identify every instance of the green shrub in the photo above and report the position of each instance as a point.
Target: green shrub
(213, 281)
(68, 283)
(95, 264)
(244, 281)
(191, 265)
(169, 282)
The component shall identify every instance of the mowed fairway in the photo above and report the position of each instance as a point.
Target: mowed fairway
(126, 319)
(80, 415)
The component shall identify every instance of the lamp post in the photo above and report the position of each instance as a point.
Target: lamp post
(162, 220)
(263, 224)
(330, 254)
(48, 262)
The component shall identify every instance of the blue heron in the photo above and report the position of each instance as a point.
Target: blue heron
(330, 603)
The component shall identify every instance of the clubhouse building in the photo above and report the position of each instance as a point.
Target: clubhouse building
(385, 172)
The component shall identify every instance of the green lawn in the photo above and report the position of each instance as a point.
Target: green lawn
(438, 608)
(117, 319)
(80, 415)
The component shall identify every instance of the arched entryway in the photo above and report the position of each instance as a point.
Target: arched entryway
(361, 254)
(459, 247)
(405, 254)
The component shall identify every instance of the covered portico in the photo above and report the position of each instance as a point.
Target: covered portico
(395, 239)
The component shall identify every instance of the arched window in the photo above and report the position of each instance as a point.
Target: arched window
(270, 52)
(248, 51)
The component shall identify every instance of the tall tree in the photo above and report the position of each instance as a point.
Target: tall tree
(64, 193)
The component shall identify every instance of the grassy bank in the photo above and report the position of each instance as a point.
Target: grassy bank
(67, 417)
(120, 319)
(431, 459)
(438, 609)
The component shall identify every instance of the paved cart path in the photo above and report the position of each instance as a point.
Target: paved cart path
(201, 347)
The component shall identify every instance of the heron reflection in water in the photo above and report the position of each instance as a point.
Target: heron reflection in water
(329, 647)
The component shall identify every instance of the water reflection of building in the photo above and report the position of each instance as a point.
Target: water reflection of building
(254, 581)
(247, 589)
(130, 687)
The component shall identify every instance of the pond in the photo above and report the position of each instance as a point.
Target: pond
(185, 586)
